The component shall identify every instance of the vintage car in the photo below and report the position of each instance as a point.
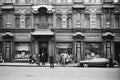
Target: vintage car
(94, 62)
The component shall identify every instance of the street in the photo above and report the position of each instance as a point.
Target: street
(58, 73)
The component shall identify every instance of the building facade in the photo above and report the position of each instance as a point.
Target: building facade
(52, 27)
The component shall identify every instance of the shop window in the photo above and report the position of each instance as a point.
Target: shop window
(64, 52)
(64, 47)
(93, 50)
(22, 50)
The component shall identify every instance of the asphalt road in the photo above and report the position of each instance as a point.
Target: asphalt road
(58, 73)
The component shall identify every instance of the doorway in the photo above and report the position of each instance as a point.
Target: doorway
(43, 48)
(117, 50)
(8, 52)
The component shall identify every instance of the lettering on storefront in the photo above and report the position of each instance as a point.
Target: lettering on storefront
(22, 37)
(93, 36)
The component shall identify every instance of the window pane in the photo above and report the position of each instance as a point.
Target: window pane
(87, 1)
(98, 1)
(58, 1)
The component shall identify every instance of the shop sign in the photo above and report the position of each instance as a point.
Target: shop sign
(64, 36)
(93, 36)
(22, 37)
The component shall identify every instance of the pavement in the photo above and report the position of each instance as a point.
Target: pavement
(35, 65)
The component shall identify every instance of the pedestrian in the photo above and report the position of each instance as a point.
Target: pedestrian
(110, 62)
(51, 61)
(42, 58)
(30, 59)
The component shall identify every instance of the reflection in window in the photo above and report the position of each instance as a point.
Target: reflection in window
(22, 50)
(93, 48)
(64, 47)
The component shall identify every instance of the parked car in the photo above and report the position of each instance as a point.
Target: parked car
(94, 62)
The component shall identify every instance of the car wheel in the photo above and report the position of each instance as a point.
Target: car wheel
(85, 65)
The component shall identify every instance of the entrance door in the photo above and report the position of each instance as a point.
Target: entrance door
(117, 50)
(43, 48)
(7, 51)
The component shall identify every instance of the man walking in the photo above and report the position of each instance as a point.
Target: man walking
(51, 61)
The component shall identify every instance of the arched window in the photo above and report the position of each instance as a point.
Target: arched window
(27, 22)
(17, 22)
(69, 22)
(59, 22)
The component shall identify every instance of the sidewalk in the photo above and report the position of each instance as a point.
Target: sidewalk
(34, 65)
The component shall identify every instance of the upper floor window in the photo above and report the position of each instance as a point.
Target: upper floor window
(69, 21)
(1, 1)
(17, 21)
(1, 21)
(63, 1)
(27, 21)
(117, 21)
(116, 1)
(23, 1)
(42, 1)
(93, 1)
(59, 21)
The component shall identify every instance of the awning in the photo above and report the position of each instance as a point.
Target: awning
(42, 32)
(8, 33)
(108, 34)
(7, 7)
(36, 7)
(79, 33)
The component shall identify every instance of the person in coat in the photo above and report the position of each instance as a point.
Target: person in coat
(51, 61)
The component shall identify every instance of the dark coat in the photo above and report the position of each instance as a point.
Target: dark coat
(51, 59)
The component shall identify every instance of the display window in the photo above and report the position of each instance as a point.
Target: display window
(93, 50)
(64, 53)
(22, 50)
